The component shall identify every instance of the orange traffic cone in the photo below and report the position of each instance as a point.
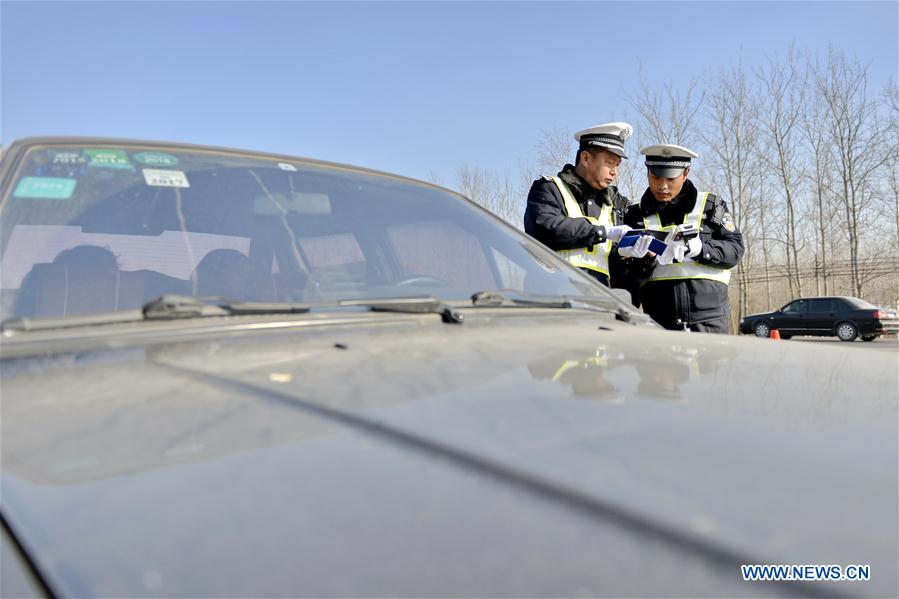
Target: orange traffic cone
(775, 334)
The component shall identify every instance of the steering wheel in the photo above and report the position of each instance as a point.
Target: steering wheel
(421, 281)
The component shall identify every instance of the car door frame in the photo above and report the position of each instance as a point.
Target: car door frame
(790, 322)
(821, 322)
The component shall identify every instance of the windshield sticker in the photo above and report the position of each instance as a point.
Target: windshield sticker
(59, 170)
(165, 178)
(287, 167)
(45, 188)
(155, 158)
(108, 159)
(69, 158)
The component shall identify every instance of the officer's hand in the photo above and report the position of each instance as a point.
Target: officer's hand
(673, 253)
(666, 257)
(694, 247)
(638, 250)
(617, 232)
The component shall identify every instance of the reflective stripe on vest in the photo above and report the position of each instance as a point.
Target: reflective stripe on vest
(596, 258)
(569, 364)
(690, 269)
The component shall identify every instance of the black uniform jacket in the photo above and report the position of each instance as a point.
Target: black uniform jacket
(546, 220)
(674, 303)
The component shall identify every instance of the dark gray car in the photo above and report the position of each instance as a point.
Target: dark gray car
(268, 376)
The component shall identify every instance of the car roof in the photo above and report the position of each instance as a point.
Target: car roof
(826, 297)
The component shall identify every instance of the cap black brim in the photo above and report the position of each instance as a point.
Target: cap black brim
(667, 172)
(610, 150)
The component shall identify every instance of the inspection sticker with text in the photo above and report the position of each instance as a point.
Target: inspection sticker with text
(165, 178)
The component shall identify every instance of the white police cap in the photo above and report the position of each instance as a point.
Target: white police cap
(668, 160)
(608, 136)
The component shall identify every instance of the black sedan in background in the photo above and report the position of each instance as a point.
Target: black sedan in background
(843, 317)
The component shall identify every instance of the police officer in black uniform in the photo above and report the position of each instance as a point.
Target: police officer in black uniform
(685, 287)
(579, 213)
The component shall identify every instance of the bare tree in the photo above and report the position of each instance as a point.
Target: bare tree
(505, 196)
(816, 143)
(732, 136)
(668, 116)
(494, 192)
(507, 200)
(783, 90)
(891, 100)
(631, 178)
(766, 260)
(858, 140)
(555, 148)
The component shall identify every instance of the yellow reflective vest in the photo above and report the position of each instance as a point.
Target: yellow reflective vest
(597, 257)
(689, 269)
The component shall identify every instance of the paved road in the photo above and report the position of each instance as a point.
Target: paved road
(890, 343)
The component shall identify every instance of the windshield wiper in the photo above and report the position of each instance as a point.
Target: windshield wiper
(409, 305)
(21, 325)
(169, 307)
(174, 307)
(511, 297)
(166, 307)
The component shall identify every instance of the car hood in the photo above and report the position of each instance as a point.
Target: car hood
(759, 315)
(511, 457)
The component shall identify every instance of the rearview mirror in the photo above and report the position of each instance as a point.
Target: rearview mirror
(295, 201)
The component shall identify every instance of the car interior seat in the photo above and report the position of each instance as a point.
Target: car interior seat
(225, 273)
(80, 280)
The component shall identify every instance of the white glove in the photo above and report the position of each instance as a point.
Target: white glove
(695, 247)
(638, 250)
(675, 252)
(617, 232)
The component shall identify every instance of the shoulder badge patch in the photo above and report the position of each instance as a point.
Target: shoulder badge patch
(727, 221)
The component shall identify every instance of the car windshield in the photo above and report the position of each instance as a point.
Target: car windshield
(859, 303)
(94, 228)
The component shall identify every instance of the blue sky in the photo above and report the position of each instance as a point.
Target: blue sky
(412, 88)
